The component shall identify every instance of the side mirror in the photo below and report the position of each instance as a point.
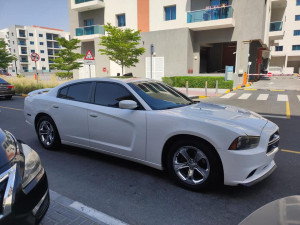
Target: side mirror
(127, 104)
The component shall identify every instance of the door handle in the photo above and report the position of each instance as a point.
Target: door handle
(93, 115)
(55, 106)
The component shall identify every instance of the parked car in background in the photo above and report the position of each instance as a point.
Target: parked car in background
(149, 122)
(24, 194)
(6, 89)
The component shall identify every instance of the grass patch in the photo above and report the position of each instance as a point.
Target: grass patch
(198, 82)
(25, 85)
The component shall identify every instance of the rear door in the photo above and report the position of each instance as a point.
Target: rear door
(69, 112)
(120, 131)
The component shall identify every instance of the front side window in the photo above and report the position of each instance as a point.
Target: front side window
(121, 20)
(110, 94)
(160, 96)
(170, 13)
(77, 92)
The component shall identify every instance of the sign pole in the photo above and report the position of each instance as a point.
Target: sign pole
(37, 75)
(90, 71)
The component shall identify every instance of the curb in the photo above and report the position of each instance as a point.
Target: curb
(239, 87)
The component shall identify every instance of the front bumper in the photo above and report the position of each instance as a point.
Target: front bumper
(248, 167)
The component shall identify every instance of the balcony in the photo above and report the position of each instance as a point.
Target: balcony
(86, 5)
(90, 32)
(277, 4)
(276, 30)
(211, 18)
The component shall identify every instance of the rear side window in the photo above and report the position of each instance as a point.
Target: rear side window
(110, 94)
(3, 81)
(77, 92)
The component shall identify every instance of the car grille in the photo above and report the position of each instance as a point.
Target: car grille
(273, 142)
(2, 192)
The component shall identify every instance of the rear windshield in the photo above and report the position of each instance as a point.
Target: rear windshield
(3, 81)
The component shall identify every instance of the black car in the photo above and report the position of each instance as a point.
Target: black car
(6, 89)
(24, 193)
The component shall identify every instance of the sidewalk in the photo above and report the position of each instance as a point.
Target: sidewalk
(195, 92)
(64, 211)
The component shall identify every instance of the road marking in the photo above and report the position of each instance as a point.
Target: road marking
(3, 107)
(282, 98)
(229, 95)
(288, 111)
(250, 89)
(245, 96)
(276, 90)
(96, 214)
(295, 152)
(262, 97)
(298, 97)
(273, 116)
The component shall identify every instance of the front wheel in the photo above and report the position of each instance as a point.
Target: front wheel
(47, 133)
(194, 165)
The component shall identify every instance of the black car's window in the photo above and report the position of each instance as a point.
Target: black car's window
(63, 92)
(77, 92)
(110, 94)
(3, 81)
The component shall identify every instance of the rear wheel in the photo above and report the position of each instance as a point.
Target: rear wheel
(47, 133)
(194, 165)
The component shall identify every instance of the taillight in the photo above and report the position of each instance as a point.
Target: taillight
(10, 87)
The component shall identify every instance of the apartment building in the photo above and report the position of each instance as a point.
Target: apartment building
(285, 52)
(24, 40)
(190, 37)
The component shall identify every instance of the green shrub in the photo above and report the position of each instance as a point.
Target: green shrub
(64, 75)
(198, 82)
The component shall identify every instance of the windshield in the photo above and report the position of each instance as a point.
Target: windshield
(159, 95)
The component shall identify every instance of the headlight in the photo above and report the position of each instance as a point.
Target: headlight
(244, 142)
(32, 165)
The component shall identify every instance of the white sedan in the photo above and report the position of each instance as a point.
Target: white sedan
(149, 122)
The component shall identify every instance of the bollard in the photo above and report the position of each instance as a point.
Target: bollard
(187, 88)
(217, 84)
(205, 88)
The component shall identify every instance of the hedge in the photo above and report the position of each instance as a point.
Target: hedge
(64, 75)
(198, 82)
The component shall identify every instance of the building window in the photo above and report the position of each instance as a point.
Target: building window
(298, 2)
(12, 34)
(32, 42)
(296, 32)
(32, 51)
(13, 42)
(296, 47)
(43, 59)
(170, 13)
(89, 22)
(42, 51)
(31, 34)
(297, 17)
(14, 50)
(279, 48)
(41, 43)
(121, 20)
(33, 68)
(40, 35)
(44, 68)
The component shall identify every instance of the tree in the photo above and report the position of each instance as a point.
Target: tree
(66, 57)
(5, 56)
(121, 46)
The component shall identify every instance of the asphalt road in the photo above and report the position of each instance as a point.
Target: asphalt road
(137, 194)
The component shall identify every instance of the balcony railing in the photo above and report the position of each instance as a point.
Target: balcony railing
(276, 26)
(22, 43)
(209, 14)
(90, 30)
(82, 1)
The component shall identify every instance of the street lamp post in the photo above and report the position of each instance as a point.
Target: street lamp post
(152, 51)
(16, 67)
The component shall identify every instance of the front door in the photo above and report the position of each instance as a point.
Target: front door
(115, 130)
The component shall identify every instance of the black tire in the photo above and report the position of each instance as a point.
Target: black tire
(8, 97)
(211, 165)
(46, 121)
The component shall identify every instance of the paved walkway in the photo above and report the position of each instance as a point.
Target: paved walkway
(64, 211)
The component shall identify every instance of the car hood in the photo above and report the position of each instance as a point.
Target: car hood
(8, 149)
(244, 120)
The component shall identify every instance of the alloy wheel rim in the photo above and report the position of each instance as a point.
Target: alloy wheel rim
(46, 133)
(191, 165)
